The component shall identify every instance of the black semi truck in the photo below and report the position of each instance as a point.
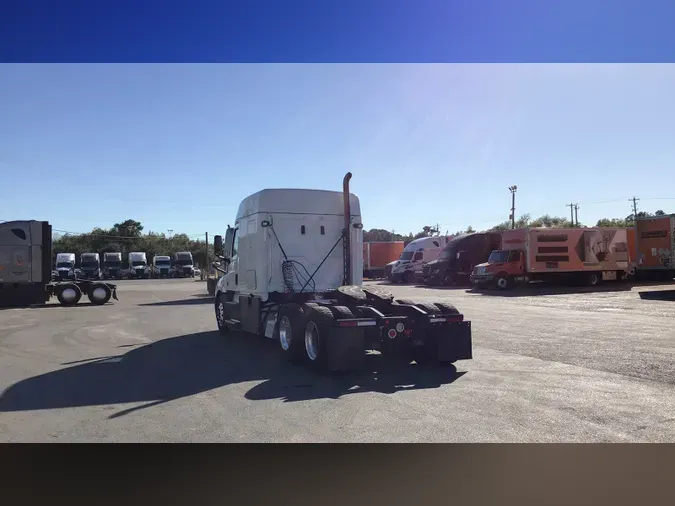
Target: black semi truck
(26, 268)
(458, 258)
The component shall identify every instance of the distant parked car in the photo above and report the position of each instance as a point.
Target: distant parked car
(197, 273)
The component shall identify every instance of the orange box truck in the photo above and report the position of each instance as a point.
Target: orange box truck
(376, 255)
(590, 255)
(652, 247)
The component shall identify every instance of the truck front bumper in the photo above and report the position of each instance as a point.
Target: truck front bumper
(481, 279)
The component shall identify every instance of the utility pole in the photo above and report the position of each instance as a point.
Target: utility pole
(635, 211)
(207, 265)
(571, 206)
(513, 189)
(576, 214)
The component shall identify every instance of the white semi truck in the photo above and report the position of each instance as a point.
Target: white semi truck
(138, 265)
(90, 264)
(293, 272)
(65, 266)
(161, 266)
(409, 267)
(112, 265)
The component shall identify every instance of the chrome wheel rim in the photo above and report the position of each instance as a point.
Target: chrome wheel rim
(99, 293)
(501, 282)
(285, 333)
(69, 294)
(312, 340)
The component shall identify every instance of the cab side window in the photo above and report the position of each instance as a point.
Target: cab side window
(514, 256)
(235, 242)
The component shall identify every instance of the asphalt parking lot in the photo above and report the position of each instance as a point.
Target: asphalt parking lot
(548, 367)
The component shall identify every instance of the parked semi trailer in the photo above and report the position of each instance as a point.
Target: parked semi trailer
(112, 265)
(25, 269)
(458, 258)
(294, 270)
(90, 264)
(586, 255)
(377, 254)
(651, 244)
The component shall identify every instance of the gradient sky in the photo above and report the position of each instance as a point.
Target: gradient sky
(178, 146)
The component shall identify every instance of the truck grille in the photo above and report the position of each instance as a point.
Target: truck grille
(387, 271)
(425, 270)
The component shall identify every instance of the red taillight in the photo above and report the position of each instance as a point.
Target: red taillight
(348, 324)
(455, 319)
(391, 333)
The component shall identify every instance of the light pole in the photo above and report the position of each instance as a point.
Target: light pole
(513, 189)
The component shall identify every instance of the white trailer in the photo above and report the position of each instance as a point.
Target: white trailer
(293, 273)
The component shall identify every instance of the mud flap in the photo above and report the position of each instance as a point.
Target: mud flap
(454, 342)
(345, 349)
(113, 288)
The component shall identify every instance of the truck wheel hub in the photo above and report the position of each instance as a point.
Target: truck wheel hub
(99, 293)
(68, 294)
(312, 340)
(285, 333)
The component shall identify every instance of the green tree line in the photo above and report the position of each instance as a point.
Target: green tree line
(128, 236)
(378, 234)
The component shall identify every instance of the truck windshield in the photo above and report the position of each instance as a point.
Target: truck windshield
(184, 261)
(406, 255)
(87, 264)
(138, 263)
(447, 254)
(64, 265)
(113, 263)
(163, 263)
(498, 257)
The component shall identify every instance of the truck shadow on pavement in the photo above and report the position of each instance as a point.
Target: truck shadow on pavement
(194, 300)
(183, 366)
(658, 295)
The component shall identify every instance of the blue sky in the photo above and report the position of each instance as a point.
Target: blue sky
(178, 146)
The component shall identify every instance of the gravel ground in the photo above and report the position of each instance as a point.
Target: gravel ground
(548, 367)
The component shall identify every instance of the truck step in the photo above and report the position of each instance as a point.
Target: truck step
(233, 324)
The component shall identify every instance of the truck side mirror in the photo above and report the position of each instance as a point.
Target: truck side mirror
(218, 245)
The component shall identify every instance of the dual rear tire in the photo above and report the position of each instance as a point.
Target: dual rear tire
(304, 331)
(70, 294)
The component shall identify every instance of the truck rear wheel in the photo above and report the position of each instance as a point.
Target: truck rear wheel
(290, 333)
(317, 332)
(446, 308)
(99, 293)
(69, 294)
